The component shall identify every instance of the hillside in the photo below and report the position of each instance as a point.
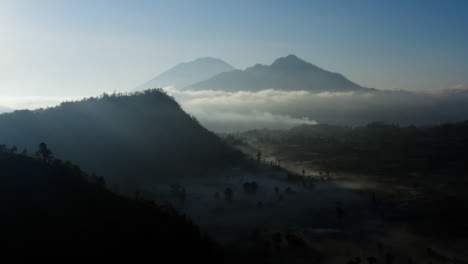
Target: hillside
(50, 207)
(131, 140)
(187, 73)
(287, 73)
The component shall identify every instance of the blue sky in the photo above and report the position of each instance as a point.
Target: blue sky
(86, 47)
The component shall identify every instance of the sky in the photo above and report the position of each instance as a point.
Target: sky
(83, 48)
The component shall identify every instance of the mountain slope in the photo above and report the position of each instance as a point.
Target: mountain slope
(131, 140)
(187, 73)
(52, 208)
(288, 73)
(4, 109)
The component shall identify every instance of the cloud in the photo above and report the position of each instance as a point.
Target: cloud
(237, 111)
(232, 111)
(225, 111)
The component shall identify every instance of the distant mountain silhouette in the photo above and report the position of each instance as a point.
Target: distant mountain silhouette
(131, 140)
(187, 73)
(288, 73)
(49, 207)
(4, 109)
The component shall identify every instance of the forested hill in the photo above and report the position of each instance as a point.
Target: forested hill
(51, 207)
(131, 140)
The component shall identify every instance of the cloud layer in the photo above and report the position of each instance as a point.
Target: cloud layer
(237, 111)
(233, 111)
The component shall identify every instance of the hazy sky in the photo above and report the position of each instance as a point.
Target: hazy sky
(70, 48)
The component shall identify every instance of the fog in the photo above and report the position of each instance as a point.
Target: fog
(235, 111)
(308, 208)
(275, 109)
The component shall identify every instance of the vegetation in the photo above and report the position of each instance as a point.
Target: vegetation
(132, 140)
(378, 148)
(51, 207)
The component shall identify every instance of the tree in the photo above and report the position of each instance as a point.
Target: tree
(228, 194)
(250, 187)
(254, 186)
(44, 152)
(259, 155)
(13, 149)
(179, 192)
(259, 204)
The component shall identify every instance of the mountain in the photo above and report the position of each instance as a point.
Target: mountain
(288, 73)
(187, 73)
(4, 109)
(48, 207)
(133, 141)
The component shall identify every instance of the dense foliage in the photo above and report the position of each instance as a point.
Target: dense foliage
(131, 140)
(377, 148)
(50, 207)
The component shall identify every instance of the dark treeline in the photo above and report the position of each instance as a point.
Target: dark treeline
(131, 140)
(51, 207)
(377, 148)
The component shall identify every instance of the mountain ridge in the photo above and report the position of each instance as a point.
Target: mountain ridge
(131, 140)
(288, 73)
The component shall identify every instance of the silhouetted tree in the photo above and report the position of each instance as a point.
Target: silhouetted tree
(179, 192)
(259, 155)
(388, 258)
(25, 152)
(254, 186)
(13, 149)
(371, 260)
(339, 211)
(250, 187)
(259, 204)
(44, 152)
(228, 194)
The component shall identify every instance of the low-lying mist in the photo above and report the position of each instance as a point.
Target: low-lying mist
(221, 111)
(235, 111)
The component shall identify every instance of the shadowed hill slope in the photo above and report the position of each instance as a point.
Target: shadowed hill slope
(130, 140)
(287, 73)
(54, 208)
